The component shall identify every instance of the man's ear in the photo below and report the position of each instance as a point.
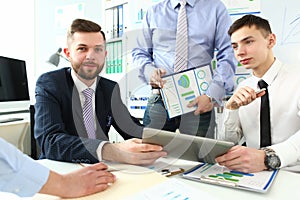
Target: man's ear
(67, 52)
(272, 40)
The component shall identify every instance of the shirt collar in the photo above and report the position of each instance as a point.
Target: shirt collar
(79, 84)
(272, 72)
(175, 3)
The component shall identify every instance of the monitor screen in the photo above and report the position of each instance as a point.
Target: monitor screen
(13, 80)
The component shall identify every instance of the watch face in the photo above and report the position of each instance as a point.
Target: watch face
(273, 162)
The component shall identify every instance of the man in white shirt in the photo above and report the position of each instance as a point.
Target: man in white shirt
(252, 41)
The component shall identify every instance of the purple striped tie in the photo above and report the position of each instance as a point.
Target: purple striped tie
(88, 114)
(181, 52)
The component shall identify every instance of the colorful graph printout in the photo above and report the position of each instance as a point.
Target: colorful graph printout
(182, 88)
(220, 175)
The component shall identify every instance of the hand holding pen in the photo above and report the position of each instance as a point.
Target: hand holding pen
(242, 97)
(156, 80)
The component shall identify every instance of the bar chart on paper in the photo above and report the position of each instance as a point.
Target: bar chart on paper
(182, 88)
(219, 175)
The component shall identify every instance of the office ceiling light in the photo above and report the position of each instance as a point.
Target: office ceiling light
(55, 58)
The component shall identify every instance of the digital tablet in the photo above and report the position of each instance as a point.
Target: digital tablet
(185, 146)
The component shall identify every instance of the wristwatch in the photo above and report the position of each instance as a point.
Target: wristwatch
(272, 161)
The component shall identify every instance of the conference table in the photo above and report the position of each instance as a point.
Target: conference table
(136, 182)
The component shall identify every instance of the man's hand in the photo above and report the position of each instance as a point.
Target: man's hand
(242, 97)
(82, 182)
(132, 151)
(203, 103)
(243, 159)
(156, 80)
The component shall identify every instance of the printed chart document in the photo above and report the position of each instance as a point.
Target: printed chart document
(182, 88)
(219, 175)
(171, 189)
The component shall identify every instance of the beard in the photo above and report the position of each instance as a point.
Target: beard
(89, 74)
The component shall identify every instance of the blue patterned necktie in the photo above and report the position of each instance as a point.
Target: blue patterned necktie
(88, 113)
(181, 52)
(265, 127)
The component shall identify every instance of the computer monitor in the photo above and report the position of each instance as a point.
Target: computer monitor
(14, 93)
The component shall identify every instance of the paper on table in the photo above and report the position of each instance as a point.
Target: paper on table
(171, 189)
(216, 174)
(131, 179)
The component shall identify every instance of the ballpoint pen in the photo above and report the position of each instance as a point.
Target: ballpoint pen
(108, 169)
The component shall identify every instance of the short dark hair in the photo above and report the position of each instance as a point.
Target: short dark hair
(251, 20)
(83, 25)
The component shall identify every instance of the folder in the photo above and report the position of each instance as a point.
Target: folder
(115, 22)
(108, 24)
(120, 20)
(109, 58)
(126, 18)
(114, 58)
(119, 57)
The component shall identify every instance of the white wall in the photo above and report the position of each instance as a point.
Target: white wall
(17, 34)
(50, 35)
(28, 32)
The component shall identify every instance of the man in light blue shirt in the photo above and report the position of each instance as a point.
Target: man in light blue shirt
(21, 175)
(208, 22)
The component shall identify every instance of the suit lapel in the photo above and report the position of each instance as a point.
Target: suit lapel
(101, 111)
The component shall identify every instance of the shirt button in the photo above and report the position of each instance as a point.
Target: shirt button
(17, 190)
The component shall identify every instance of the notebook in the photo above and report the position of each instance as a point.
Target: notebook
(185, 146)
(219, 175)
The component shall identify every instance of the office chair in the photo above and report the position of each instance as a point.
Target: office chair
(34, 147)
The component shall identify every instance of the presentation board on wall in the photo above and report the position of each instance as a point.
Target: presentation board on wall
(284, 17)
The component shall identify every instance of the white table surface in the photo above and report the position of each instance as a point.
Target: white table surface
(285, 186)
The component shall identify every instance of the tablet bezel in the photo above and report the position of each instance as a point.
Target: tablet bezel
(185, 146)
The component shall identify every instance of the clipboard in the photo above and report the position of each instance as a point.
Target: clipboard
(222, 176)
(183, 87)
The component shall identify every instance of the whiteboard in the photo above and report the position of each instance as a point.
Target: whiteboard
(284, 18)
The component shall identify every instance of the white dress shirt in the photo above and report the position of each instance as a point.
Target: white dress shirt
(80, 87)
(284, 98)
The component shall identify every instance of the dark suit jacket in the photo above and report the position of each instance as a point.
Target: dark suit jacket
(59, 128)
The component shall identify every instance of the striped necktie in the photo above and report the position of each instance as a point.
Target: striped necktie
(88, 113)
(265, 129)
(181, 52)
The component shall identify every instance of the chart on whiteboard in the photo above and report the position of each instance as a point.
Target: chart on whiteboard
(239, 7)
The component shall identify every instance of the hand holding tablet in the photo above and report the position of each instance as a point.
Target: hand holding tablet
(188, 147)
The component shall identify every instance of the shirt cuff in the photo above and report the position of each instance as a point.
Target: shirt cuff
(286, 152)
(147, 73)
(216, 92)
(99, 150)
(29, 180)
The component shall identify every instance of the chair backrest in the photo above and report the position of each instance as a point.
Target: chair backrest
(14, 133)
(34, 148)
